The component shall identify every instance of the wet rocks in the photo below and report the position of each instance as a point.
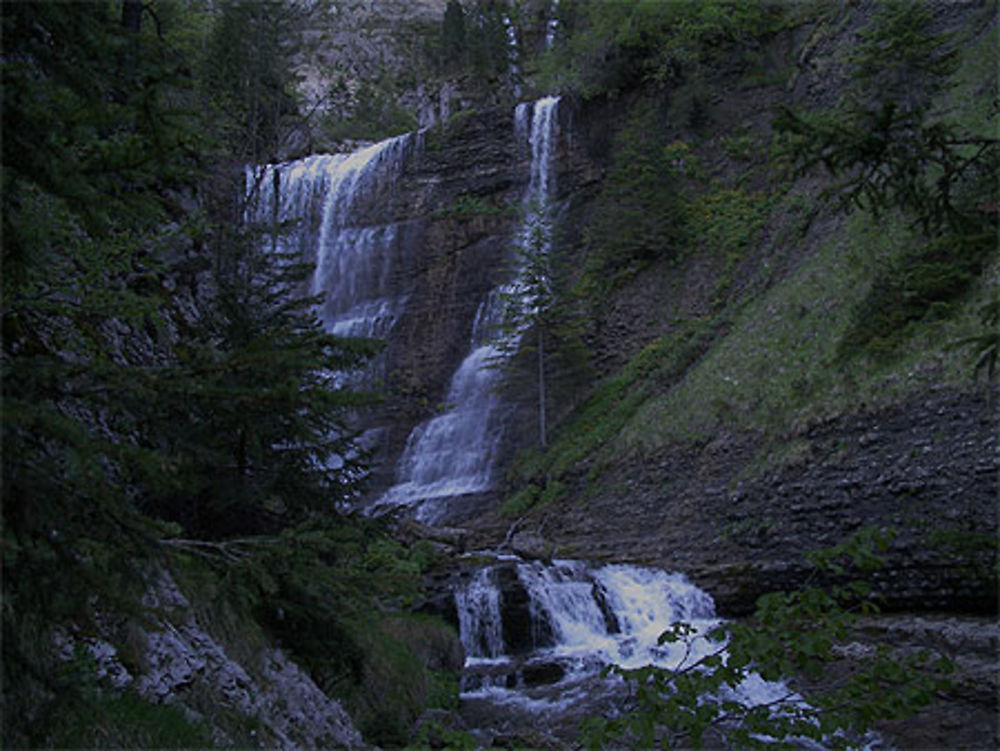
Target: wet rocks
(531, 546)
(515, 673)
(540, 673)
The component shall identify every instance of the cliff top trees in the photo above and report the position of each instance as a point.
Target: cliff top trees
(614, 46)
(248, 76)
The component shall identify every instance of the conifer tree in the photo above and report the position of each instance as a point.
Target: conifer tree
(540, 321)
(124, 422)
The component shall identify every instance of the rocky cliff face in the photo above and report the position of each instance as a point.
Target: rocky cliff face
(266, 700)
(459, 203)
(735, 518)
(741, 527)
(349, 43)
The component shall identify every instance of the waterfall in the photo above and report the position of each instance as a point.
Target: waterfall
(478, 606)
(453, 454)
(593, 616)
(325, 199)
(552, 25)
(611, 615)
(514, 68)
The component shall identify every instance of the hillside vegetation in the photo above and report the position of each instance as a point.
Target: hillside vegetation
(797, 278)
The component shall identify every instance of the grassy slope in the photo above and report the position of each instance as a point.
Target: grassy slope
(766, 360)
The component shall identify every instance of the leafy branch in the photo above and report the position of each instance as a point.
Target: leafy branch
(796, 635)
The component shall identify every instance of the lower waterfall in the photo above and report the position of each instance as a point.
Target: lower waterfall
(538, 636)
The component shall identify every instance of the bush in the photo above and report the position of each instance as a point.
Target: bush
(922, 283)
(124, 721)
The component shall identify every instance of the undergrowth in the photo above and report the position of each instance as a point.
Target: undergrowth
(780, 366)
(542, 475)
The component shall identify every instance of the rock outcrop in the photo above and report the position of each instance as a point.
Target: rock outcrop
(926, 468)
(183, 665)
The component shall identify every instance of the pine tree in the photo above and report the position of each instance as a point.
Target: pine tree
(94, 155)
(248, 77)
(540, 320)
(124, 423)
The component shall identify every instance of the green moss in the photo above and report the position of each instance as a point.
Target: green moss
(778, 366)
(410, 663)
(468, 206)
(727, 223)
(915, 284)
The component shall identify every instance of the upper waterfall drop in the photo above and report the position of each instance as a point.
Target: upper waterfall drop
(454, 453)
(325, 197)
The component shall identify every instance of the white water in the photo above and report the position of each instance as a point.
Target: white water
(597, 616)
(478, 606)
(639, 604)
(324, 199)
(513, 55)
(454, 453)
(552, 25)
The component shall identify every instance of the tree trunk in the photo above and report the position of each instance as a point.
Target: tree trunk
(542, 438)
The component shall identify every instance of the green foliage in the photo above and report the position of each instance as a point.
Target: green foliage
(95, 151)
(641, 212)
(532, 496)
(260, 427)
(123, 721)
(792, 634)
(542, 322)
(986, 344)
(376, 114)
(435, 735)
(615, 46)
(601, 417)
(474, 41)
(330, 581)
(125, 423)
(894, 148)
(247, 76)
(887, 137)
(919, 283)
(453, 42)
(727, 223)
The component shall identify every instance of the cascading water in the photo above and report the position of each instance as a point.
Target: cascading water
(325, 198)
(608, 615)
(478, 606)
(552, 25)
(453, 454)
(513, 55)
(581, 619)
